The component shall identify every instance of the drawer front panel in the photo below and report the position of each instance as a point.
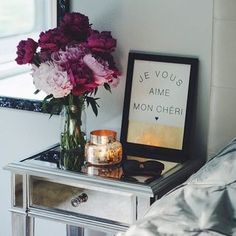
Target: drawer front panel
(103, 204)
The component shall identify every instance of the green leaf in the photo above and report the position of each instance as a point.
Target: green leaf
(52, 105)
(93, 102)
(48, 97)
(37, 91)
(107, 87)
(95, 91)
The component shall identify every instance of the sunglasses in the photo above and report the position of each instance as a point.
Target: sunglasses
(136, 180)
(146, 168)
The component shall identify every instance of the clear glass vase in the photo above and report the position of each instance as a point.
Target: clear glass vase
(73, 137)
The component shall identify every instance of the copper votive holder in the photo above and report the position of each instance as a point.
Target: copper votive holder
(103, 148)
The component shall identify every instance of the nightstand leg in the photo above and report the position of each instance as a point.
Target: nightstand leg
(77, 231)
(22, 225)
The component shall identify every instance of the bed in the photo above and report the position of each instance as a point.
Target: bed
(205, 204)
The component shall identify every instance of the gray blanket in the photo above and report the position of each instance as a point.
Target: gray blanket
(204, 205)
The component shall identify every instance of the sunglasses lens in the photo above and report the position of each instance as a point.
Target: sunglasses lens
(131, 165)
(153, 165)
(129, 179)
(147, 168)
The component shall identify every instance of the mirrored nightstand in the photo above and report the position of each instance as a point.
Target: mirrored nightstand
(102, 201)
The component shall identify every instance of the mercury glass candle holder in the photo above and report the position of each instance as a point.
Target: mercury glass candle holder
(103, 148)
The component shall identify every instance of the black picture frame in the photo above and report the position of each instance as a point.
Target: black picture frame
(158, 106)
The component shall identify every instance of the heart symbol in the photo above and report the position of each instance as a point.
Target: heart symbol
(156, 118)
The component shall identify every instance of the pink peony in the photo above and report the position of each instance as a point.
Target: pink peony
(80, 75)
(50, 79)
(70, 54)
(76, 26)
(114, 82)
(101, 72)
(25, 51)
(101, 42)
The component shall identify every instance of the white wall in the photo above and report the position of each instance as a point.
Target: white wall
(22, 133)
(223, 88)
(182, 27)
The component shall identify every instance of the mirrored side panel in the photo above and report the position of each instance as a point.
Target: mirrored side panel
(17, 190)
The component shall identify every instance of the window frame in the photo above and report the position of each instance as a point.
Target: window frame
(62, 6)
(8, 67)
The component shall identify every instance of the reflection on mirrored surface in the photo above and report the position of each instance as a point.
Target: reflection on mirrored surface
(113, 171)
(49, 194)
(18, 190)
(51, 159)
(76, 198)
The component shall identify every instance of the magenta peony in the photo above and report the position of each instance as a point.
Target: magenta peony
(79, 73)
(51, 41)
(82, 79)
(101, 42)
(26, 50)
(75, 26)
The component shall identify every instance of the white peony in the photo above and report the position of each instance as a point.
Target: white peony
(52, 80)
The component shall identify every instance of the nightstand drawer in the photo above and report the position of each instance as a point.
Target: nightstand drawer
(94, 202)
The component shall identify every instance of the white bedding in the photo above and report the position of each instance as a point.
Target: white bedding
(204, 205)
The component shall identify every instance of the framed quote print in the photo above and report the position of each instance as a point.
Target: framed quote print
(158, 106)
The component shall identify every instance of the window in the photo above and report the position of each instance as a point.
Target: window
(20, 19)
(10, 14)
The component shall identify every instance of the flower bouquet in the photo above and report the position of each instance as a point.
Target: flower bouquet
(69, 63)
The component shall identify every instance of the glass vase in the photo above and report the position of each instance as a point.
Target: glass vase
(73, 137)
